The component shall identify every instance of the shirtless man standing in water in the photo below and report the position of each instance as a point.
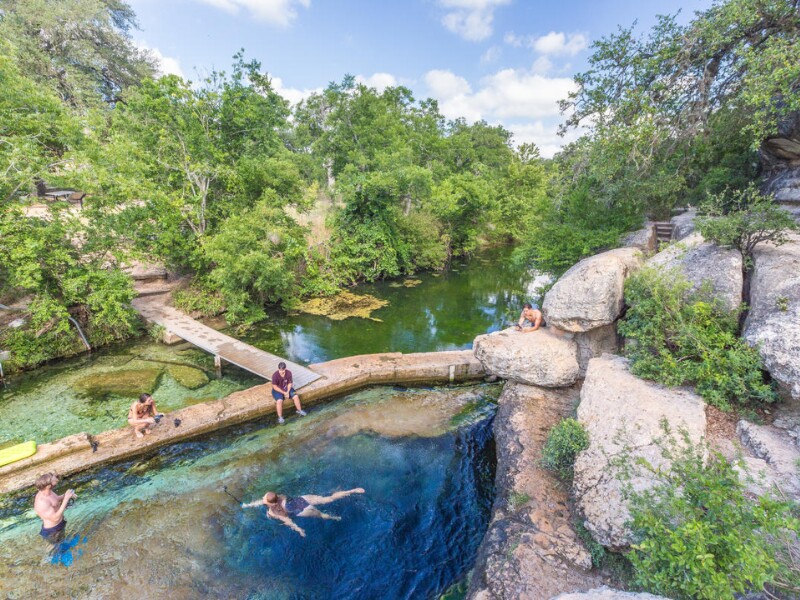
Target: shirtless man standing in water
(142, 415)
(283, 508)
(50, 507)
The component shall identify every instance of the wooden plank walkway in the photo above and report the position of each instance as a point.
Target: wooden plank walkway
(221, 346)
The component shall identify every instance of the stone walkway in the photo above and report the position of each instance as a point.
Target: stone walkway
(79, 452)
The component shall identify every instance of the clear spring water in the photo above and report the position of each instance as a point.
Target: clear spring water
(445, 311)
(163, 527)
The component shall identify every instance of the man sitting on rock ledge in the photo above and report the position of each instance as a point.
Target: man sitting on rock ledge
(530, 319)
(283, 388)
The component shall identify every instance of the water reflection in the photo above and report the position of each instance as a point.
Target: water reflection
(445, 312)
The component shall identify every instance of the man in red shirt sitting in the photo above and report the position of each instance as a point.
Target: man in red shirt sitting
(283, 388)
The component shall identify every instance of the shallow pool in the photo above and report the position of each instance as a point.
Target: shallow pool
(164, 527)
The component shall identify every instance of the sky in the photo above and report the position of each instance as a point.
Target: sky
(507, 62)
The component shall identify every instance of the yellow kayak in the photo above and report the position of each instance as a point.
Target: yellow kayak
(18, 452)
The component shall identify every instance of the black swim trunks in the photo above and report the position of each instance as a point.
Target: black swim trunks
(294, 506)
(54, 534)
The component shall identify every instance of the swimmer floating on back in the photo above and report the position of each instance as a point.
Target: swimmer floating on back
(283, 508)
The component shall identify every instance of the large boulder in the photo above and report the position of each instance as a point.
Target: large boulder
(644, 238)
(623, 416)
(773, 324)
(530, 550)
(683, 224)
(778, 455)
(703, 262)
(594, 343)
(590, 294)
(545, 357)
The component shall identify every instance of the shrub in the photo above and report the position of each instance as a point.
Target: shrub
(677, 337)
(699, 535)
(198, 300)
(563, 443)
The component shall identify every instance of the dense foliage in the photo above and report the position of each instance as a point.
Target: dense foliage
(262, 202)
(701, 535)
(564, 442)
(679, 337)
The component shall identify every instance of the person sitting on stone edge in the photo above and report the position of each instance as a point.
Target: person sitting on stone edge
(283, 389)
(283, 508)
(530, 319)
(50, 507)
(142, 415)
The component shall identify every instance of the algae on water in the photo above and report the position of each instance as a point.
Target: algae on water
(188, 377)
(343, 306)
(129, 383)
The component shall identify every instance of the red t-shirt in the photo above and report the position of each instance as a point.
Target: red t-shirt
(282, 382)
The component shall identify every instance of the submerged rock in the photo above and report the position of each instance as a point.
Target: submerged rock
(773, 324)
(129, 383)
(530, 550)
(540, 357)
(188, 377)
(623, 416)
(343, 306)
(590, 294)
(703, 262)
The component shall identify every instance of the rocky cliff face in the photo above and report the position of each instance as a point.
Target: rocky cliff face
(780, 160)
(530, 551)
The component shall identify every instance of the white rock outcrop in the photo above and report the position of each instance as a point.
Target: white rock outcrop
(701, 262)
(779, 457)
(545, 357)
(623, 416)
(773, 324)
(684, 224)
(590, 294)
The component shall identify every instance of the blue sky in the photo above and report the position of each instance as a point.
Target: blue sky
(505, 61)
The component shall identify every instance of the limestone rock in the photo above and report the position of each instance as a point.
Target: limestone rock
(590, 294)
(542, 357)
(530, 550)
(644, 238)
(776, 449)
(605, 593)
(594, 343)
(684, 224)
(620, 410)
(702, 261)
(773, 324)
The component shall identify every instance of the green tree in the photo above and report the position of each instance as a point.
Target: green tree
(82, 49)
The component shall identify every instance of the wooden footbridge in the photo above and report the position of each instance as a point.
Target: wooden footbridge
(224, 348)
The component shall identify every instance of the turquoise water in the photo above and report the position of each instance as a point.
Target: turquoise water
(445, 311)
(163, 527)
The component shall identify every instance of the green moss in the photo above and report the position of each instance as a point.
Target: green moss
(188, 377)
(128, 383)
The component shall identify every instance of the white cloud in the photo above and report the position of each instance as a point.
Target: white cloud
(542, 65)
(558, 43)
(293, 95)
(167, 65)
(277, 12)
(555, 43)
(522, 100)
(491, 55)
(470, 19)
(379, 81)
